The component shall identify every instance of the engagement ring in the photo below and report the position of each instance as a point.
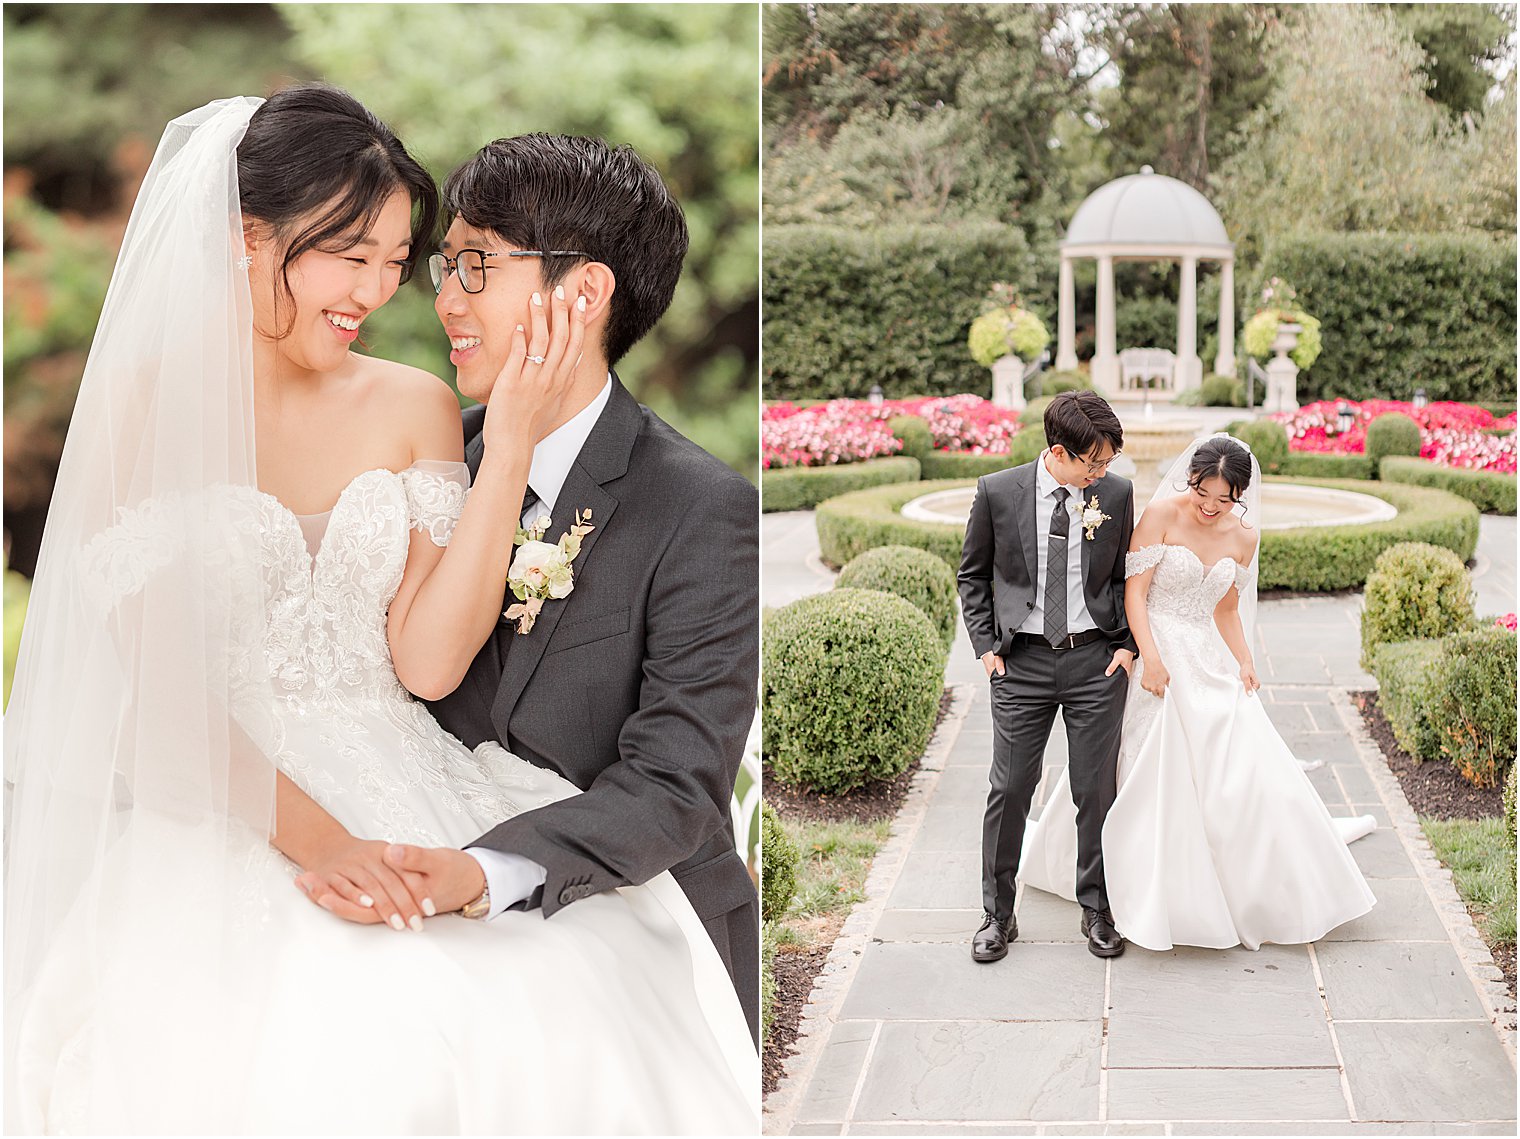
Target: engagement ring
(535, 359)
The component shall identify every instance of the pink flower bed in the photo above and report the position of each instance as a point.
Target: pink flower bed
(852, 430)
(1451, 434)
(1507, 622)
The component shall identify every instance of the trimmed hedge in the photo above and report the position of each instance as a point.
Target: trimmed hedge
(802, 488)
(1222, 391)
(1437, 306)
(778, 865)
(851, 684)
(916, 576)
(1054, 383)
(1309, 558)
(854, 523)
(1323, 465)
(1490, 491)
(1509, 814)
(1267, 440)
(1033, 414)
(1392, 434)
(1408, 673)
(1318, 558)
(848, 307)
(1473, 710)
(1415, 592)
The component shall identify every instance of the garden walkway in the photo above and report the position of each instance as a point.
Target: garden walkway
(1396, 1023)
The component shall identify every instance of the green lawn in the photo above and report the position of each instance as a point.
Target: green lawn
(1480, 857)
(836, 857)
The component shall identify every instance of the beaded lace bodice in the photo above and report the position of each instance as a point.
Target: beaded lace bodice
(1183, 587)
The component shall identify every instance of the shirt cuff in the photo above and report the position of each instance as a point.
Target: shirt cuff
(511, 878)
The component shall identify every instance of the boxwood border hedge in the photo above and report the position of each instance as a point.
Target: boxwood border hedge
(802, 488)
(1490, 491)
(1309, 558)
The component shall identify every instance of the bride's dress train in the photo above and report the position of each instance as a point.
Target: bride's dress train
(616, 1016)
(1217, 837)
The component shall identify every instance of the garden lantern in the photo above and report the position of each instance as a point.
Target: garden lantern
(877, 395)
(1420, 398)
(1345, 418)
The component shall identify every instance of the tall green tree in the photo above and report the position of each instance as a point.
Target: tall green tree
(1463, 45)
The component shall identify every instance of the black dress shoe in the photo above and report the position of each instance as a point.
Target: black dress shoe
(992, 937)
(1102, 939)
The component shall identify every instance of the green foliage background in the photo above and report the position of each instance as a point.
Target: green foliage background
(90, 87)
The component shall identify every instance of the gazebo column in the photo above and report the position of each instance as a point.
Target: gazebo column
(1066, 320)
(1224, 363)
(1105, 365)
(1189, 372)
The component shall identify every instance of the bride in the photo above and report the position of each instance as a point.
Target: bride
(207, 717)
(1216, 837)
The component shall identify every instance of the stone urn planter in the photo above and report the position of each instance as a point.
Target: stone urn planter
(1282, 372)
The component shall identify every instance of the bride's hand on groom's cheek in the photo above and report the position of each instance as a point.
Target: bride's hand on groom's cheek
(541, 362)
(353, 881)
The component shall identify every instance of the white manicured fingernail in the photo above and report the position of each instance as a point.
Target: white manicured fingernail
(428, 907)
(538, 300)
(396, 923)
(366, 900)
(519, 328)
(416, 923)
(559, 292)
(580, 304)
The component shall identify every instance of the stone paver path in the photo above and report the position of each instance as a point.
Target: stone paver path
(1393, 1024)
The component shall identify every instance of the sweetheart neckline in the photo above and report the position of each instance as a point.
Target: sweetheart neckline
(346, 488)
(1208, 568)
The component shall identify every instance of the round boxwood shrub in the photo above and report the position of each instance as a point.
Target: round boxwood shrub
(917, 439)
(914, 575)
(1392, 434)
(778, 865)
(1223, 391)
(1033, 415)
(1474, 710)
(802, 488)
(851, 684)
(1415, 591)
(1268, 440)
(1054, 383)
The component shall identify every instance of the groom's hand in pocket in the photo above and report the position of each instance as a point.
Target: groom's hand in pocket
(1124, 659)
(993, 664)
(446, 879)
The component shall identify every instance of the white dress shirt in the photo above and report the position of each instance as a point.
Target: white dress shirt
(1078, 619)
(513, 877)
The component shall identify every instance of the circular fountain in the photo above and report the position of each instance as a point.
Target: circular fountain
(1285, 506)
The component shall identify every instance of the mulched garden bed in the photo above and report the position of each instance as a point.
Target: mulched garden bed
(795, 970)
(1438, 791)
(1434, 789)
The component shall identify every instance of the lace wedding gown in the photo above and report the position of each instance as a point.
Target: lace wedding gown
(616, 1016)
(1217, 837)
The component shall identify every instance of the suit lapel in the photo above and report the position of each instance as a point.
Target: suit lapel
(1025, 504)
(604, 458)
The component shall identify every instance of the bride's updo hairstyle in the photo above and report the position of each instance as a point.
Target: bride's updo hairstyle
(1224, 458)
(317, 168)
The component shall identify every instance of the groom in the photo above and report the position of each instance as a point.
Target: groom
(639, 687)
(1042, 594)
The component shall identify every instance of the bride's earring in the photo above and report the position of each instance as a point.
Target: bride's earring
(244, 261)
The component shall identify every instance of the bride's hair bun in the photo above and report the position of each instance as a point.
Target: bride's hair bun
(1221, 457)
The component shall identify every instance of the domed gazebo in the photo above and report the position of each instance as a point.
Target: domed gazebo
(1149, 217)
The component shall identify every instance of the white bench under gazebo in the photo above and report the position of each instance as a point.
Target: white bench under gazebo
(1147, 217)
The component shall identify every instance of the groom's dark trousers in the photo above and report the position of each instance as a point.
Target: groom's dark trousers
(640, 686)
(998, 584)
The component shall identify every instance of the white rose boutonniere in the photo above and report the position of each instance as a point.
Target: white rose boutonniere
(540, 571)
(1092, 517)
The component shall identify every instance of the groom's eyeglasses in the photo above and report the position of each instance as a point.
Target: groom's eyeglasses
(471, 265)
(1099, 468)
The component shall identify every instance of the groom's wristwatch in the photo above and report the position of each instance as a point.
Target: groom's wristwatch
(479, 908)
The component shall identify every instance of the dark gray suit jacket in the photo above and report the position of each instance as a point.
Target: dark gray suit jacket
(640, 686)
(998, 571)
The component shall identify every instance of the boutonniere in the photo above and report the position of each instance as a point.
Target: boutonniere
(541, 572)
(1092, 517)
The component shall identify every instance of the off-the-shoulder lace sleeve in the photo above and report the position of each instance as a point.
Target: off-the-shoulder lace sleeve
(435, 494)
(1144, 558)
(118, 561)
(1245, 576)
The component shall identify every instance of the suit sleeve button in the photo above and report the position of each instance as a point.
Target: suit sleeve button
(566, 896)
